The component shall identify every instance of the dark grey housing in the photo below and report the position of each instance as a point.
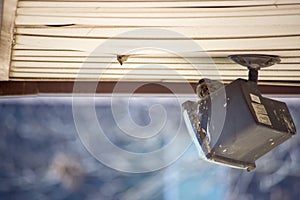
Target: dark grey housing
(254, 125)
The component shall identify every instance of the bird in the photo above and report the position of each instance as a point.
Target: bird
(122, 58)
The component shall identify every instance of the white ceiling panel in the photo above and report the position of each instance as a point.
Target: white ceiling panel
(55, 40)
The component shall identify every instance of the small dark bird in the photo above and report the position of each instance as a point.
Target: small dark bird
(122, 58)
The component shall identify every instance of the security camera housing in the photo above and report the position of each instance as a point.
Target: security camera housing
(254, 125)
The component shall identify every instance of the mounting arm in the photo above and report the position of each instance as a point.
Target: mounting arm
(254, 62)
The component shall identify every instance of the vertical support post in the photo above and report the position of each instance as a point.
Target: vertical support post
(7, 37)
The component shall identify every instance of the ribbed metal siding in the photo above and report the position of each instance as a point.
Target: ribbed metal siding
(54, 39)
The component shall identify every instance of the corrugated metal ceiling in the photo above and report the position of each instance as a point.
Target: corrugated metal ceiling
(54, 40)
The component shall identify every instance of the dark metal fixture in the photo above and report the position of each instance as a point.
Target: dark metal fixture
(253, 124)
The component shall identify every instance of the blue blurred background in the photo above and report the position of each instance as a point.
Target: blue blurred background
(42, 157)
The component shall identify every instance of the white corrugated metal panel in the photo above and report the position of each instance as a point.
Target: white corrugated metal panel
(57, 39)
